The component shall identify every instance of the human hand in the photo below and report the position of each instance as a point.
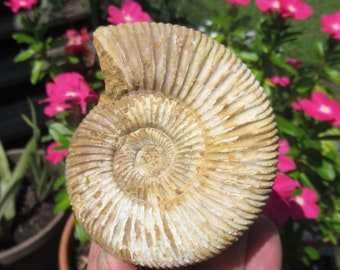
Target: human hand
(259, 248)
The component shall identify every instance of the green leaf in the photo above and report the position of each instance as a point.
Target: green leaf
(326, 170)
(320, 48)
(288, 127)
(312, 252)
(79, 233)
(73, 59)
(333, 74)
(36, 71)
(99, 75)
(219, 38)
(37, 47)
(62, 201)
(23, 38)
(248, 56)
(281, 62)
(304, 84)
(59, 182)
(25, 22)
(240, 23)
(4, 164)
(96, 85)
(60, 133)
(24, 55)
(315, 144)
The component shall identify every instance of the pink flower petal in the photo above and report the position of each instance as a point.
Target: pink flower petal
(283, 146)
(282, 81)
(277, 209)
(55, 156)
(305, 205)
(69, 87)
(296, 106)
(268, 5)
(295, 63)
(295, 9)
(238, 2)
(76, 41)
(16, 5)
(284, 185)
(321, 107)
(331, 24)
(115, 15)
(286, 164)
(131, 12)
(54, 108)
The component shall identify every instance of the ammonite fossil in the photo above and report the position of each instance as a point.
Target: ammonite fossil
(177, 159)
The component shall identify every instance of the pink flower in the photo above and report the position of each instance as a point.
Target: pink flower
(130, 12)
(76, 41)
(331, 24)
(285, 163)
(68, 87)
(320, 107)
(55, 156)
(305, 205)
(295, 63)
(239, 2)
(296, 106)
(278, 207)
(281, 206)
(53, 108)
(16, 5)
(282, 81)
(268, 5)
(295, 9)
(285, 185)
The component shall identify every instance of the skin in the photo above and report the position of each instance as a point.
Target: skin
(259, 248)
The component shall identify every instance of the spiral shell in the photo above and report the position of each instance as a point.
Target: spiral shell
(177, 159)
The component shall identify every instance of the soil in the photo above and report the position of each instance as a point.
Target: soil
(31, 217)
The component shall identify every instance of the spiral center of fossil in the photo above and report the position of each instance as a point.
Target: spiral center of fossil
(147, 152)
(150, 161)
(161, 149)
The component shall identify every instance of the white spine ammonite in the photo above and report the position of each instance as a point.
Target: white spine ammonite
(178, 158)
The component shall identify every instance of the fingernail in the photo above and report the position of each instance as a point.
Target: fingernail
(102, 262)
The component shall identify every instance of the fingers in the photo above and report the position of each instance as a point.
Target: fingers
(264, 249)
(99, 260)
(107, 262)
(259, 249)
(231, 259)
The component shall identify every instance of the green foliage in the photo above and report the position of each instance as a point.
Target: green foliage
(10, 179)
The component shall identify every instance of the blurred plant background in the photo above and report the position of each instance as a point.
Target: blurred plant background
(292, 47)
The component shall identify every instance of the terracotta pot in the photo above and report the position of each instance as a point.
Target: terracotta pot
(65, 245)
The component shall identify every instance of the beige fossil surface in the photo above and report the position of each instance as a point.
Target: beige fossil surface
(178, 158)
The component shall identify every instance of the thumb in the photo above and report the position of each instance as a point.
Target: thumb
(100, 260)
(107, 262)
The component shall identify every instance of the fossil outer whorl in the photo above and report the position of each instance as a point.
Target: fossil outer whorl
(178, 157)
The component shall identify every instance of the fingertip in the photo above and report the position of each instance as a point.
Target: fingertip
(93, 255)
(108, 262)
(100, 260)
(264, 246)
